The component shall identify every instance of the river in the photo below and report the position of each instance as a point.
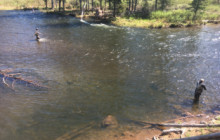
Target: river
(93, 70)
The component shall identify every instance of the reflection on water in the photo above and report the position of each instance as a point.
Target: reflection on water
(96, 70)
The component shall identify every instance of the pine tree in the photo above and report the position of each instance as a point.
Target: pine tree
(198, 5)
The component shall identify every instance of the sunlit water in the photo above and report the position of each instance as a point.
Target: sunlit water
(93, 70)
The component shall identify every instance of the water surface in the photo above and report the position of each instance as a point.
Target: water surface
(95, 70)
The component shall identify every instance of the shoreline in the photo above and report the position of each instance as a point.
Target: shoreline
(158, 24)
(191, 126)
(146, 23)
(124, 22)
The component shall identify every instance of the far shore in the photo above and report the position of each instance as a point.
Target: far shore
(124, 22)
(136, 23)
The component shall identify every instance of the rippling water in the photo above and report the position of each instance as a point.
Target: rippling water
(93, 70)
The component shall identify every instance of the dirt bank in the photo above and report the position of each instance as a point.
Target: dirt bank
(163, 133)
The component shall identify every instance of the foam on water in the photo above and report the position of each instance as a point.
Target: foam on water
(83, 21)
(43, 40)
(103, 25)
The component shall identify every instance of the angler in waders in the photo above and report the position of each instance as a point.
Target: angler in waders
(199, 89)
(37, 34)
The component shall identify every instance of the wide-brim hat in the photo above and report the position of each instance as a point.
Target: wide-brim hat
(201, 80)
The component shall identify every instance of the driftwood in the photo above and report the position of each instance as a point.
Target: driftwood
(17, 78)
(171, 130)
(213, 136)
(76, 132)
(189, 125)
(173, 124)
(181, 125)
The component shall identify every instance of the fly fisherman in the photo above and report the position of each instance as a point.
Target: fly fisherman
(37, 34)
(199, 89)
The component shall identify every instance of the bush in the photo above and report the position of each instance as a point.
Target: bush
(211, 16)
(122, 8)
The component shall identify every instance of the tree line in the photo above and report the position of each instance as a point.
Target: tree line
(117, 7)
(121, 7)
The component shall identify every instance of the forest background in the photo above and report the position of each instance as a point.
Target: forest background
(133, 13)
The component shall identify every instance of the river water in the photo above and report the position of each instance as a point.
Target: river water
(93, 70)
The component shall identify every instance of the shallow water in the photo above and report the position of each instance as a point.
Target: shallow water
(93, 70)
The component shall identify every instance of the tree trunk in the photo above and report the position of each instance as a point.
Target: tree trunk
(109, 7)
(88, 5)
(132, 5)
(92, 6)
(135, 6)
(52, 4)
(76, 3)
(55, 3)
(59, 5)
(162, 5)
(155, 5)
(129, 8)
(196, 9)
(80, 5)
(114, 8)
(46, 4)
(100, 1)
(64, 1)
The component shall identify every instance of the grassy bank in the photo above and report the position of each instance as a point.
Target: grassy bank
(17, 8)
(172, 18)
(20, 4)
(7, 8)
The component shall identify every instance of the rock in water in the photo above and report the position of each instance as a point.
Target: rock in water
(109, 122)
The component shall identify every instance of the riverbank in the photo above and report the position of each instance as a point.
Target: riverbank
(8, 8)
(190, 125)
(145, 23)
(132, 22)
(159, 19)
(163, 22)
(186, 126)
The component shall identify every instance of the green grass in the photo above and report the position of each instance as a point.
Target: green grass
(171, 18)
(159, 19)
(141, 23)
(176, 16)
(213, 8)
(217, 121)
(212, 12)
(20, 4)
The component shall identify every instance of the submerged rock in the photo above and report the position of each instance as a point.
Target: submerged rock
(109, 122)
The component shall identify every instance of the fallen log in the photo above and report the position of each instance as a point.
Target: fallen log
(16, 78)
(76, 132)
(189, 125)
(3, 80)
(171, 130)
(176, 125)
(213, 136)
